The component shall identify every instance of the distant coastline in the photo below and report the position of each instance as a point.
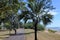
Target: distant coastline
(54, 28)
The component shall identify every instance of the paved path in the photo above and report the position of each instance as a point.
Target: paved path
(18, 36)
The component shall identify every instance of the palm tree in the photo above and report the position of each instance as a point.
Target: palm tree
(38, 11)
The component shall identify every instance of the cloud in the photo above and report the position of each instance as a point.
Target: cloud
(52, 13)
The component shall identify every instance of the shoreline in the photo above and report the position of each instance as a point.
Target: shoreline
(57, 32)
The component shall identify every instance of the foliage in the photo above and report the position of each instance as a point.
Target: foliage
(6, 5)
(8, 25)
(40, 27)
(7, 8)
(38, 12)
(28, 26)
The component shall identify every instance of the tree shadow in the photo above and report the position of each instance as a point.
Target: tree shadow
(20, 34)
(3, 37)
(2, 30)
(17, 34)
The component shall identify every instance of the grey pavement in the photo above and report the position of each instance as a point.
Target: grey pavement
(18, 36)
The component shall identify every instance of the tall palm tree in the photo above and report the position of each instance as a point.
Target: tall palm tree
(38, 11)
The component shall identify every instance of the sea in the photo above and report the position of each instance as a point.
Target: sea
(54, 28)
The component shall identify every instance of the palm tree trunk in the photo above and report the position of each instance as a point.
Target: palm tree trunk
(36, 30)
(35, 25)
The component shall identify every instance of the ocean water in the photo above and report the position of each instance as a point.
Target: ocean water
(54, 28)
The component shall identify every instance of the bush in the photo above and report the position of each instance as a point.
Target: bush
(52, 31)
(7, 25)
(30, 26)
(27, 26)
(40, 27)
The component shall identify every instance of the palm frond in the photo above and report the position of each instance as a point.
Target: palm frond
(47, 18)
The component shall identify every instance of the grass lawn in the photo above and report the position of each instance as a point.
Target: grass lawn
(41, 35)
(29, 35)
(5, 34)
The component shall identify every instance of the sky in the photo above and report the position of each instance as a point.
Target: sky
(56, 13)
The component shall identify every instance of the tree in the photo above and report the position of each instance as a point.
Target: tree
(7, 8)
(38, 11)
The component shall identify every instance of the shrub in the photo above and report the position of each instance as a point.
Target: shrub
(27, 26)
(40, 27)
(30, 26)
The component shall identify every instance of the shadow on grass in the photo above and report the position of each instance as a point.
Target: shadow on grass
(3, 37)
(2, 30)
(17, 34)
(21, 34)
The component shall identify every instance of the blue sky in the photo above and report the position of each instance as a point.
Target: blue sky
(56, 13)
